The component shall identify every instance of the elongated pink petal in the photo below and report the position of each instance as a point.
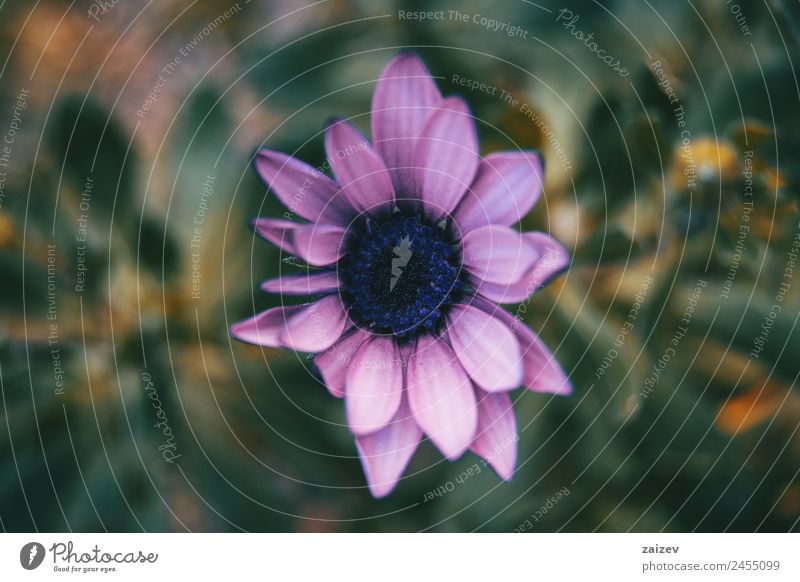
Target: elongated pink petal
(362, 175)
(506, 187)
(315, 328)
(304, 190)
(303, 283)
(404, 98)
(497, 254)
(316, 244)
(305, 328)
(373, 385)
(265, 328)
(319, 246)
(441, 396)
(496, 437)
(542, 371)
(552, 259)
(486, 347)
(385, 454)
(333, 362)
(446, 157)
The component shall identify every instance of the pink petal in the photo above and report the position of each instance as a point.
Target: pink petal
(446, 157)
(385, 454)
(315, 328)
(552, 259)
(304, 190)
(365, 182)
(265, 328)
(542, 371)
(486, 347)
(316, 244)
(497, 254)
(441, 396)
(373, 385)
(334, 361)
(306, 328)
(404, 98)
(496, 438)
(303, 283)
(506, 187)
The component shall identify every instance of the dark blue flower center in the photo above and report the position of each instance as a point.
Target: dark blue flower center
(400, 275)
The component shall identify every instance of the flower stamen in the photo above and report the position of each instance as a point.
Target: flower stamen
(400, 275)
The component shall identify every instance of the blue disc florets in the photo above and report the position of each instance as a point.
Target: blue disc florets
(400, 275)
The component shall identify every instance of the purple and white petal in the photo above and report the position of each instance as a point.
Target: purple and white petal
(302, 189)
(362, 175)
(542, 371)
(486, 347)
(496, 437)
(265, 328)
(446, 157)
(306, 328)
(315, 328)
(404, 98)
(497, 254)
(385, 454)
(333, 362)
(303, 283)
(373, 385)
(316, 244)
(506, 187)
(441, 396)
(552, 259)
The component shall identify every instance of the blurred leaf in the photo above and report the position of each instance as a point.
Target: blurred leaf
(89, 144)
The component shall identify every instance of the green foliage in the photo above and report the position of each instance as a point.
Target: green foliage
(711, 444)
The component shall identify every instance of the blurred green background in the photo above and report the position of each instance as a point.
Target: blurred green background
(124, 200)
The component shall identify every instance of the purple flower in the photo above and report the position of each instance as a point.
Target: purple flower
(414, 249)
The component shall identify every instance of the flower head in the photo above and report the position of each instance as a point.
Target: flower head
(413, 249)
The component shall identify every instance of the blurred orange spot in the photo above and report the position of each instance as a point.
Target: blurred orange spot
(751, 135)
(750, 409)
(774, 180)
(789, 503)
(716, 157)
(6, 230)
(703, 158)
